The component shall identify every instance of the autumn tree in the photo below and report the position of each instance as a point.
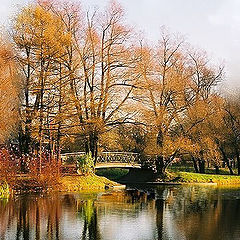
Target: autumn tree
(202, 121)
(39, 42)
(124, 138)
(78, 73)
(101, 64)
(85, 74)
(174, 80)
(231, 127)
(9, 92)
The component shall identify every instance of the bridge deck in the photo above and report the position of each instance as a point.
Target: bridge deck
(117, 165)
(107, 165)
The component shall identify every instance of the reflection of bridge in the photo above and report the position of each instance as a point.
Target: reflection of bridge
(107, 159)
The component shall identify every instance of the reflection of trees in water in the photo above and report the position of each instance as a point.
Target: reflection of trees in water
(191, 199)
(5, 213)
(88, 211)
(132, 200)
(198, 213)
(159, 218)
(30, 215)
(91, 211)
(23, 222)
(193, 212)
(39, 217)
(193, 208)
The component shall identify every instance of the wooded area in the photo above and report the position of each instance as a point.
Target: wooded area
(73, 79)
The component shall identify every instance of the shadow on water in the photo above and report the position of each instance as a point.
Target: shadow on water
(141, 212)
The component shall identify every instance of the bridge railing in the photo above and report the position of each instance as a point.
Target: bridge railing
(105, 157)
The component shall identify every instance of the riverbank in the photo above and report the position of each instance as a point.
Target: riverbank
(90, 182)
(73, 183)
(171, 177)
(187, 177)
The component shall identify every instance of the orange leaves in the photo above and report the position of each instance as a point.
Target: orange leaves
(87, 73)
(9, 92)
(40, 28)
(175, 86)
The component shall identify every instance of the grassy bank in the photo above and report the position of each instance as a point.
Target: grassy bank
(174, 174)
(93, 182)
(78, 183)
(222, 171)
(189, 177)
(72, 183)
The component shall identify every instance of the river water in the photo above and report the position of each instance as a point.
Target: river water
(141, 212)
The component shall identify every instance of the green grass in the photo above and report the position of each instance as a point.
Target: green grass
(188, 177)
(182, 174)
(4, 190)
(79, 183)
(223, 171)
(112, 174)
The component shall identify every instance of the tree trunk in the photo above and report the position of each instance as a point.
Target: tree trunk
(58, 149)
(24, 139)
(41, 116)
(91, 146)
(229, 167)
(160, 161)
(201, 164)
(160, 165)
(21, 148)
(217, 169)
(238, 159)
(27, 134)
(195, 165)
(225, 160)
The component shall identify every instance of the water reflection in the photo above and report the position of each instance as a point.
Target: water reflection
(88, 211)
(182, 212)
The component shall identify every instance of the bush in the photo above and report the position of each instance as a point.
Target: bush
(50, 173)
(85, 164)
(4, 190)
(9, 166)
(70, 160)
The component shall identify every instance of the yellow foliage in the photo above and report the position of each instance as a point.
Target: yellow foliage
(9, 92)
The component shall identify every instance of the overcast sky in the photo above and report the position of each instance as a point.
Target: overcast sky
(212, 25)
